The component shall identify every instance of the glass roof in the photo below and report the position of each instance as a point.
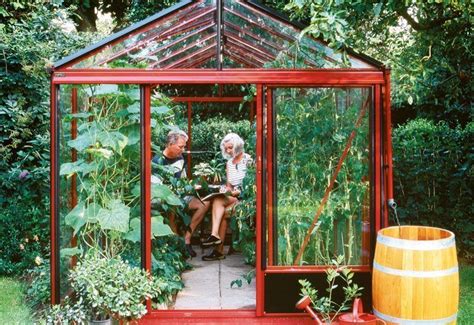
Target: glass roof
(187, 36)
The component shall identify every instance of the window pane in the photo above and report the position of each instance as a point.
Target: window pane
(99, 173)
(313, 128)
(145, 48)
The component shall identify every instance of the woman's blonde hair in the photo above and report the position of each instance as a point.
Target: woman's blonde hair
(237, 143)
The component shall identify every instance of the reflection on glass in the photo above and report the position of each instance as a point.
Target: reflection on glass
(279, 39)
(313, 128)
(99, 172)
(145, 47)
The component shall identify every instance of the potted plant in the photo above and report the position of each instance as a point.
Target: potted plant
(327, 308)
(112, 288)
(210, 172)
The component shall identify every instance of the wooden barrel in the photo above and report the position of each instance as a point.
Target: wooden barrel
(415, 276)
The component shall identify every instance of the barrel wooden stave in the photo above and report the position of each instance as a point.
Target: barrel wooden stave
(411, 295)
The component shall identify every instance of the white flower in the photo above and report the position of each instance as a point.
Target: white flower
(38, 260)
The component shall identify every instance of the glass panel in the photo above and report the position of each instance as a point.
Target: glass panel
(278, 39)
(313, 129)
(99, 172)
(146, 47)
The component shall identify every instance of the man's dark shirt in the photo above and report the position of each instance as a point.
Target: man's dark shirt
(177, 164)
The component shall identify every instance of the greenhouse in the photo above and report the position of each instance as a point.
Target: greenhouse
(316, 124)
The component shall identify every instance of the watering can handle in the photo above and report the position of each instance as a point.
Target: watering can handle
(357, 309)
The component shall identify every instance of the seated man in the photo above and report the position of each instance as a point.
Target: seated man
(173, 157)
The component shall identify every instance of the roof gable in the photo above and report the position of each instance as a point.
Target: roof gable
(186, 35)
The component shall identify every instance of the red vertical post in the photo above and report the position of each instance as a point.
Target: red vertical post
(269, 170)
(146, 170)
(189, 144)
(378, 158)
(260, 191)
(54, 129)
(388, 144)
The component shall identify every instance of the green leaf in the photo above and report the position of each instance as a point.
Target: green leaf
(101, 152)
(115, 218)
(82, 141)
(160, 109)
(134, 108)
(134, 235)
(69, 252)
(77, 167)
(158, 228)
(377, 9)
(132, 132)
(162, 192)
(76, 218)
(115, 140)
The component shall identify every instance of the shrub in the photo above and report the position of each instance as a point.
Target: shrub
(433, 177)
(207, 136)
(31, 38)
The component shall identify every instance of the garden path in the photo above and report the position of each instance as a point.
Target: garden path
(207, 285)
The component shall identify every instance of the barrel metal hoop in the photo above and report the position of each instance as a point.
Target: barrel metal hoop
(416, 274)
(403, 321)
(416, 245)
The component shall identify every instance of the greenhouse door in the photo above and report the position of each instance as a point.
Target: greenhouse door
(316, 191)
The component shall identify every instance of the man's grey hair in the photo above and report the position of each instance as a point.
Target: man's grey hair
(174, 135)
(237, 142)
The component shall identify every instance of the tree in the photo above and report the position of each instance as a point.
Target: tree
(428, 44)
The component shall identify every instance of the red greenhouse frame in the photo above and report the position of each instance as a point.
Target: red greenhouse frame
(206, 65)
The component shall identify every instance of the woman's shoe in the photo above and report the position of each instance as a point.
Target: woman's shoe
(213, 256)
(190, 250)
(211, 241)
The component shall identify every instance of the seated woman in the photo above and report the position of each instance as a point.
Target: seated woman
(232, 147)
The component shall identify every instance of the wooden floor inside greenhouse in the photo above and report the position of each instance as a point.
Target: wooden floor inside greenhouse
(208, 284)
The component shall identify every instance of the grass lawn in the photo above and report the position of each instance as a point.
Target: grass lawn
(466, 295)
(13, 309)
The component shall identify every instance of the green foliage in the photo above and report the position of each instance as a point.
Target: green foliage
(23, 239)
(326, 306)
(433, 172)
(208, 134)
(428, 44)
(243, 221)
(69, 312)
(39, 285)
(31, 38)
(313, 127)
(167, 265)
(110, 286)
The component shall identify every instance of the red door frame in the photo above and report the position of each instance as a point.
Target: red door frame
(271, 78)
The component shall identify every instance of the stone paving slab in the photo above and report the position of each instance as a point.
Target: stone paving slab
(207, 285)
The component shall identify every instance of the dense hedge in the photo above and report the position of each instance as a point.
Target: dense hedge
(30, 40)
(434, 177)
(207, 136)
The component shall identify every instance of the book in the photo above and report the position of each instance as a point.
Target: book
(212, 191)
(212, 196)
